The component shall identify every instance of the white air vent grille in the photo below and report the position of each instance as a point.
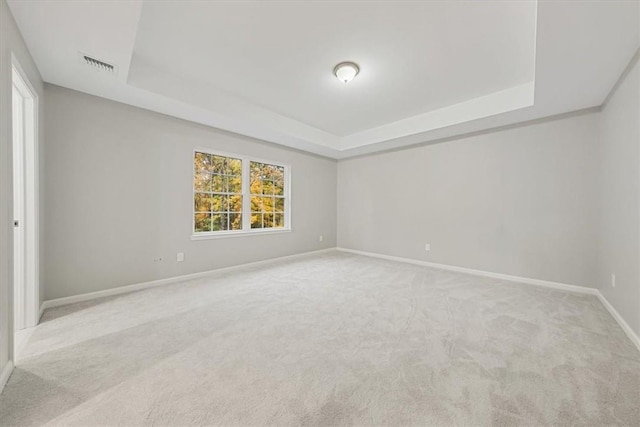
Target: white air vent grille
(98, 64)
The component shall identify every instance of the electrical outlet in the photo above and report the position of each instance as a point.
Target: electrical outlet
(613, 280)
(427, 247)
(180, 257)
(321, 238)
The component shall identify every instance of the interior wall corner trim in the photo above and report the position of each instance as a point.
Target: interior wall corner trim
(623, 324)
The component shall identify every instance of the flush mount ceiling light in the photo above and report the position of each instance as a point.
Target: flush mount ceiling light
(346, 71)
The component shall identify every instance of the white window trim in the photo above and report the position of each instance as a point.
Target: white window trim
(246, 199)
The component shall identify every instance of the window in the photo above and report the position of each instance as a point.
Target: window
(267, 195)
(217, 197)
(233, 194)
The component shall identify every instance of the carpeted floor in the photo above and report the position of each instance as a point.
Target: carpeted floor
(331, 339)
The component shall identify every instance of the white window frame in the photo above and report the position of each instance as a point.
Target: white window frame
(246, 198)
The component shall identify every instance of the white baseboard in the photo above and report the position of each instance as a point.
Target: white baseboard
(6, 373)
(561, 286)
(623, 324)
(536, 282)
(160, 282)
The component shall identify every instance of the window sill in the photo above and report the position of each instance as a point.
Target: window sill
(228, 234)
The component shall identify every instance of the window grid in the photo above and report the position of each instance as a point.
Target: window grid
(267, 195)
(217, 193)
(224, 200)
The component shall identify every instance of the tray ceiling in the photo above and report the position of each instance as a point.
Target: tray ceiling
(429, 69)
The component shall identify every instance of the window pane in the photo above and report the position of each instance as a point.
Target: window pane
(256, 204)
(267, 222)
(256, 186)
(256, 171)
(202, 162)
(218, 184)
(235, 221)
(273, 172)
(202, 222)
(278, 220)
(279, 206)
(235, 203)
(219, 164)
(202, 202)
(265, 171)
(256, 220)
(235, 167)
(202, 181)
(224, 221)
(235, 184)
(217, 221)
(278, 187)
(219, 203)
(267, 187)
(277, 172)
(267, 204)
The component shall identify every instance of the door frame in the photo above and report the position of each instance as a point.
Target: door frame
(31, 194)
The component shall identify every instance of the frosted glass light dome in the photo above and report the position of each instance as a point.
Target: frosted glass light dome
(346, 71)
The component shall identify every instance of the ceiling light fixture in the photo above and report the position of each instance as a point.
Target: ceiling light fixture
(346, 71)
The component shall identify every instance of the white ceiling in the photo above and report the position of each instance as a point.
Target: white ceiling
(429, 69)
(415, 57)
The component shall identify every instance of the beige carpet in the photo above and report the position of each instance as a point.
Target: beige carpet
(333, 339)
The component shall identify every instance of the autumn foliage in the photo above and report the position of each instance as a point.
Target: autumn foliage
(218, 195)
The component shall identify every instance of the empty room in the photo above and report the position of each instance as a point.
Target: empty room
(329, 213)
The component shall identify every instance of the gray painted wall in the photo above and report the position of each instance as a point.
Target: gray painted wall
(118, 195)
(10, 41)
(620, 199)
(520, 201)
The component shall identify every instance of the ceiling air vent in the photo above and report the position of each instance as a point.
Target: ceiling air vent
(98, 64)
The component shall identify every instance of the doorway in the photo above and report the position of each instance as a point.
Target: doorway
(25, 208)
